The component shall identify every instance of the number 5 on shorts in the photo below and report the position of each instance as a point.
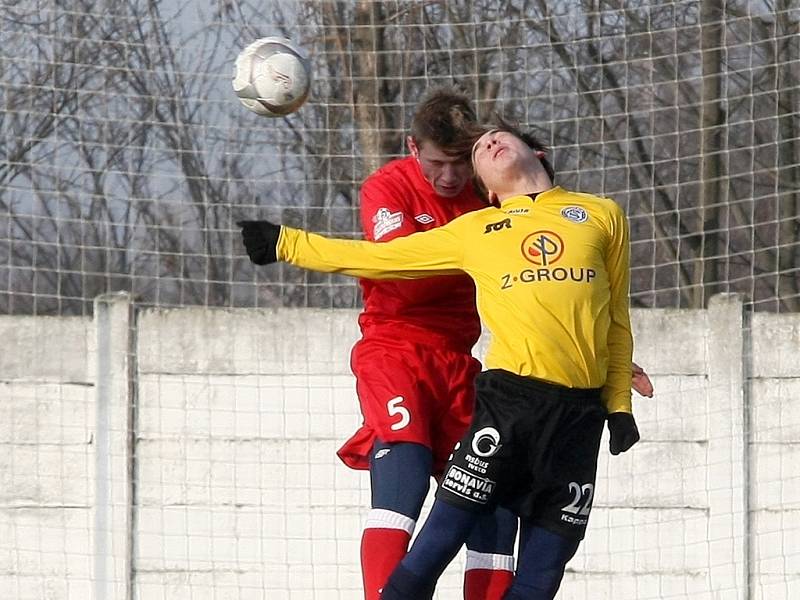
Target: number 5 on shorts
(394, 408)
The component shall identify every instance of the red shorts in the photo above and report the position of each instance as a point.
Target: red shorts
(410, 393)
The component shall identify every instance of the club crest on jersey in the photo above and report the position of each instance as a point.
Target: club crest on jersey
(385, 222)
(542, 247)
(576, 214)
(424, 218)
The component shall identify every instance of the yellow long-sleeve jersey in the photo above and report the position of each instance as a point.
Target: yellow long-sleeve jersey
(552, 276)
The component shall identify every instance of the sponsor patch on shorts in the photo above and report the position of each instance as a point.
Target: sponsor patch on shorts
(467, 485)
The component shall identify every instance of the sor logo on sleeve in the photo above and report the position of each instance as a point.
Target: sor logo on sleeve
(498, 226)
(576, 214)
(385, 222)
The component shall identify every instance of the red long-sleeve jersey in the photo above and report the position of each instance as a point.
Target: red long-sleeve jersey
(396, 201)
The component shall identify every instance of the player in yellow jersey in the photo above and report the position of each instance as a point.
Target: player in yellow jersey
(551, 269)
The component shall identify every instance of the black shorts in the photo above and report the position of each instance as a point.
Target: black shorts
(532, 447)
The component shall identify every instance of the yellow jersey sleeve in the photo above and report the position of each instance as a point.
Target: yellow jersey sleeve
(438, 251)
(617, 389)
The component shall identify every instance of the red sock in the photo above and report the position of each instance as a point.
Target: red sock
(381, 551)
(486, 584)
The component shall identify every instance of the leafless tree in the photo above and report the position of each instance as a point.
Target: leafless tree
(126, 161)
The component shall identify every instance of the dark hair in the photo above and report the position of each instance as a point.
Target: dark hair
(498, 123)
(442, 117)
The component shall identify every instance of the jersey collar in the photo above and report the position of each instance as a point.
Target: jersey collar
(523, 201)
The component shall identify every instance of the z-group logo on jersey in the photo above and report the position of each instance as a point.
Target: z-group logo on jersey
(576, 214)
(385, 222)
(542, 247)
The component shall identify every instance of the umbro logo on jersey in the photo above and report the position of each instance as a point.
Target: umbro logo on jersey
(424, 218)
(576, 214)
(504, 224)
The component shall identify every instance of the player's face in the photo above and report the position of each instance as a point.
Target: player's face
(446, 174)
(495, 153)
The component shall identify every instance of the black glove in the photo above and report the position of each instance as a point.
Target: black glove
(260, 238)
(623, 430)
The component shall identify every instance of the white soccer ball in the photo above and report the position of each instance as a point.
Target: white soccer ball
(272, 77)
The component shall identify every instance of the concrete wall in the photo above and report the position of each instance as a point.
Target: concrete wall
(190, 454)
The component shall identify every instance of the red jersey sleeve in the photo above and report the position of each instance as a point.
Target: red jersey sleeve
(385, 212)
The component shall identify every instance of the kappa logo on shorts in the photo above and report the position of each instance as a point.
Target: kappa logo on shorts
(486, 442)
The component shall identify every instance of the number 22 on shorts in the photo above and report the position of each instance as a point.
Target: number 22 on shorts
(394, 408)
(582, 499)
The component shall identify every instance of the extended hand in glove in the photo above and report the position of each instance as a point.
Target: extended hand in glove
(623, 430)
(260, 239)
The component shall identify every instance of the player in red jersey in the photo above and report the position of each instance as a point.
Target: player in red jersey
(516, 437)
(413, 365)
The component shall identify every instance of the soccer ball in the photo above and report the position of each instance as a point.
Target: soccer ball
(272, 77)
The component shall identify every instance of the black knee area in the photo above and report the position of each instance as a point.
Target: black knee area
(494, 533)
(542, 586)
(400, 476)
(404, 585)
(540, 568)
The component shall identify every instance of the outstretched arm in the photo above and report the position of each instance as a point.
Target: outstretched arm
(435, 252)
